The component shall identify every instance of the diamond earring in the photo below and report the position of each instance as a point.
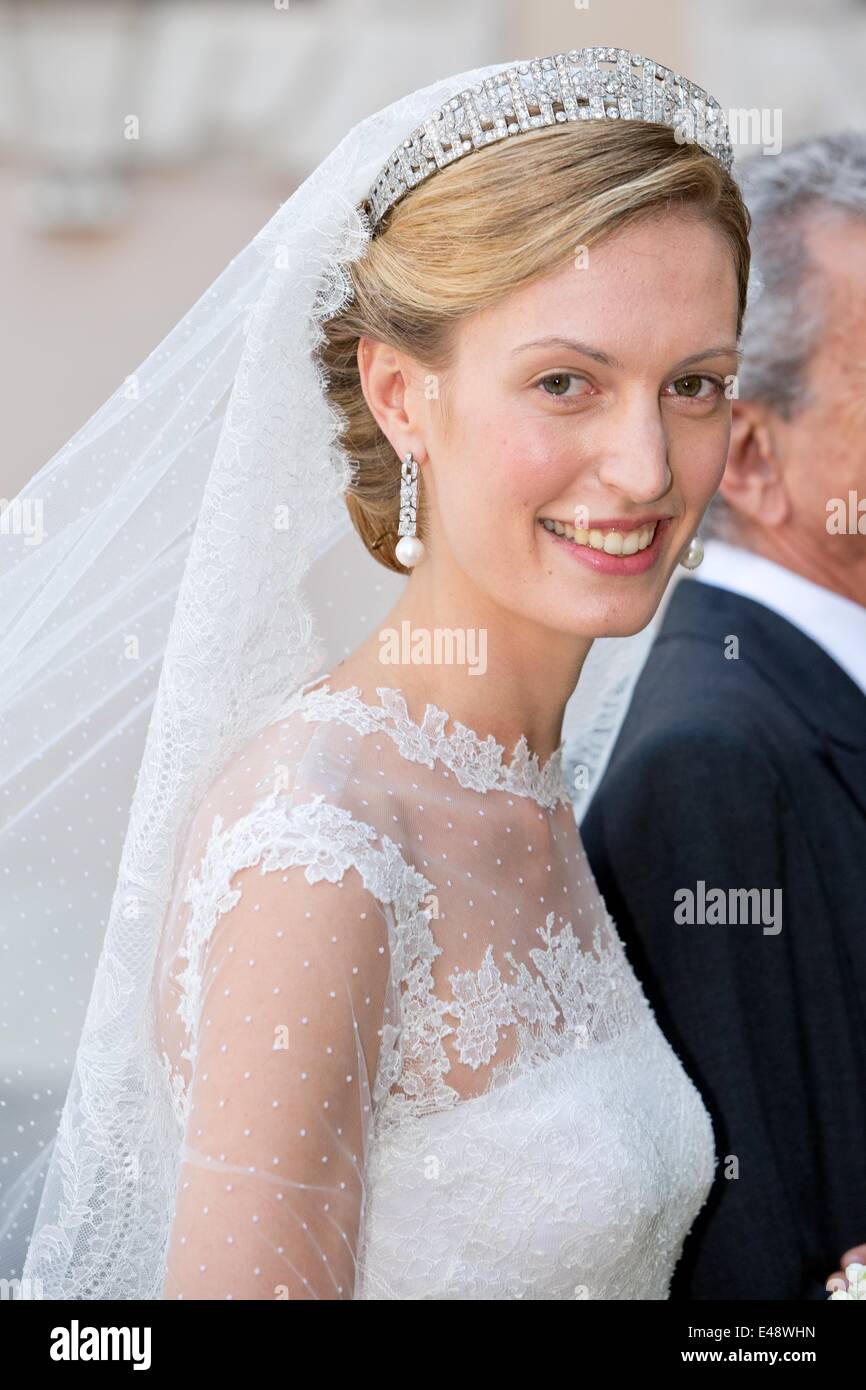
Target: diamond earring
(694, 555)
(410, 550)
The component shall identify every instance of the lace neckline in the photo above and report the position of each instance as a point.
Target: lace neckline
(476, 762)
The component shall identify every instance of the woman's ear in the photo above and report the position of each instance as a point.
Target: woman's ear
(385, 379)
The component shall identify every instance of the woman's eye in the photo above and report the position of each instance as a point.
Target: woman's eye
(691, 387)
(558, 381)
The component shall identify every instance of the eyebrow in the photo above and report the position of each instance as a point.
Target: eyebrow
(609, 361)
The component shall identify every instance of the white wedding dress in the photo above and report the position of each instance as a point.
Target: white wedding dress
(399, 1032)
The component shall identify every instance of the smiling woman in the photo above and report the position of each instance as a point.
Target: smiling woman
(363, 1026)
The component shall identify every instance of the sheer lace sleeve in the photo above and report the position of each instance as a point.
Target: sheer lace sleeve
(282, 995)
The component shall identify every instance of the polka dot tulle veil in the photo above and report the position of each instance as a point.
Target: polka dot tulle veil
(153, 616)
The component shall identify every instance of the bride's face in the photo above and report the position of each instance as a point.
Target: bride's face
(594, 399)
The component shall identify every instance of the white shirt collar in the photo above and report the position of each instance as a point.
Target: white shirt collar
(837, 624)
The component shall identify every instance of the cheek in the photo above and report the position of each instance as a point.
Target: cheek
(525, 465)
(813, 435)
(505, 470)
(841, 445)
(698, 463)
(499, 477)
(832, 428)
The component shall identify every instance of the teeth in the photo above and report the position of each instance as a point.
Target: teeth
(613, 542)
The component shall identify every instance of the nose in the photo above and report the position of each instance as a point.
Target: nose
(634, 458)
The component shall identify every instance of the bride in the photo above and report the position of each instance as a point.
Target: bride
(362, 1026)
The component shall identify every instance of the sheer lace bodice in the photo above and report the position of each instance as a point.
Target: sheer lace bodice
(401, 1039)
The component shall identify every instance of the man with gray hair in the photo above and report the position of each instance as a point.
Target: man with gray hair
(741, 765)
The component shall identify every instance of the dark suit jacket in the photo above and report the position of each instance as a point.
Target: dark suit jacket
(751, 773)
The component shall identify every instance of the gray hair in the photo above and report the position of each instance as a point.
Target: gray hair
(785, 318)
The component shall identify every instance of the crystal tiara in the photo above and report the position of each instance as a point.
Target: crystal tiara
(585, 84)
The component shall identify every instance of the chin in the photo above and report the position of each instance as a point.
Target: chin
(625, 628)
(607, 616)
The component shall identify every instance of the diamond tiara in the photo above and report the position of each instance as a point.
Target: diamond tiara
(585, 84)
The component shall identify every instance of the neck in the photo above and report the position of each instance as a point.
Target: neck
(799, 554)
(497, 673)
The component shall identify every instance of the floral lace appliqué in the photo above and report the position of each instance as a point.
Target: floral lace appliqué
(476, 762)
(577, 994)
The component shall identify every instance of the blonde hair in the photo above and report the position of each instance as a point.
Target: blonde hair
(489, 224)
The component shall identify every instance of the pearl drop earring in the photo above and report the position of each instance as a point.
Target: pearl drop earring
(694, 555)
(410, 550)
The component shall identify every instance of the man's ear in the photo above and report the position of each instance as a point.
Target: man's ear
(753, 484)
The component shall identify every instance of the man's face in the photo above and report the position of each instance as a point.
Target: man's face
(823, 445)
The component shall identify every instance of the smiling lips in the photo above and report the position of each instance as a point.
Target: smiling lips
(612, 541)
